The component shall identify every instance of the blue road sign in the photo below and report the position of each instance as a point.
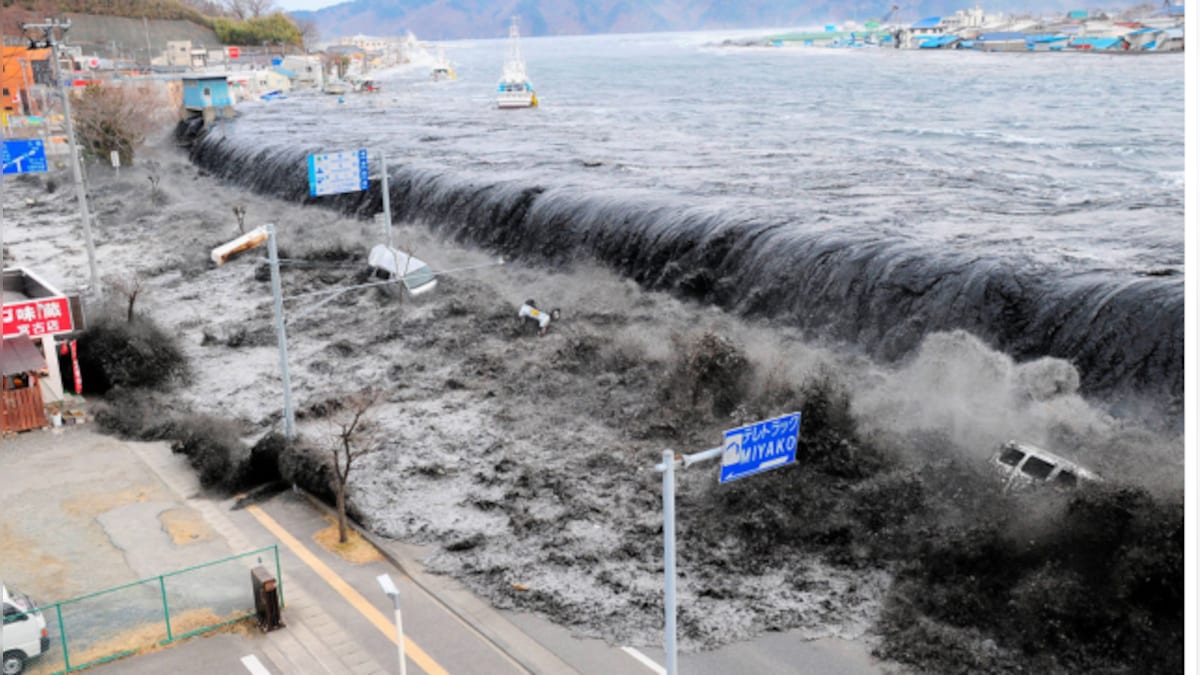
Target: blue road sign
(761, 446)
(336, 172)
(24, 156)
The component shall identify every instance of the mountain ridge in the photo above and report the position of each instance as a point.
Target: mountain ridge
(458, 19)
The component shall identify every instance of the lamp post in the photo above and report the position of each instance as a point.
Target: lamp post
(389, 588)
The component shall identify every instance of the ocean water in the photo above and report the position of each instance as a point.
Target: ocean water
(870, 197)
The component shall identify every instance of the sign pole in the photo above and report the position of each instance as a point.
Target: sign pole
(289, 422)
(747, 450)
(387, 200)
(668, 472)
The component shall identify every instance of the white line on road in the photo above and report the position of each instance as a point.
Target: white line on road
(254, 665)
(645, 660)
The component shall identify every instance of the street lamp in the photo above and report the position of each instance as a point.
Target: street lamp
(389, 589)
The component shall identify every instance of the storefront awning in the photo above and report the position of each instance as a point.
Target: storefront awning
(19, 355)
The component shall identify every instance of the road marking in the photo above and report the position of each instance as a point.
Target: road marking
(254, 665)
(411, 650)
(645, 660)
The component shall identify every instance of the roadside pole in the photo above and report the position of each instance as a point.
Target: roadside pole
(289, 421)
(387, 200)
(758, 447)
(668, 472)
(48, 29)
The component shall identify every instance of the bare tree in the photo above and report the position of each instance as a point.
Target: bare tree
(309, 33)
(251, 9)
(117, 117)
(350, 442)
(239, 212)
(129, 287)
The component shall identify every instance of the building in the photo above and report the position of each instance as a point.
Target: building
(304, 70)
(20, 69)
(179, 53)
(207, 96)
(34, 314)
(366, 43)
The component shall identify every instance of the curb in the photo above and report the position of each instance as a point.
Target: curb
(408, 568)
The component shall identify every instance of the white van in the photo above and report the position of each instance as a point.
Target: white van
(24, 635)
(1023, 465)
(392, 263)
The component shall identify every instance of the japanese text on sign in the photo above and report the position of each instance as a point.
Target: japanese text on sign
(48, 316)
(336, 172)
(760, 446)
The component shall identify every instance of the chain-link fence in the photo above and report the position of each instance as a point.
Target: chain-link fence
(92, 629)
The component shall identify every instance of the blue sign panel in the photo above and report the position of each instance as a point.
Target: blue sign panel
(24, 156)
(760, 447)
(335, 172)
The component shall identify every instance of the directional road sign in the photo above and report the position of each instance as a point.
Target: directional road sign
(760, 447)
(24, 156)
(336, 172)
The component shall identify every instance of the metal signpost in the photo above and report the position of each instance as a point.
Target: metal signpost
(25, 156)
(747, 450)
(337, 172)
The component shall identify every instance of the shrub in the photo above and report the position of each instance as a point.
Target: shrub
(710, 375)
(214, 448)
(264, 459)
(129, 354)
(135, 414)
(1094, 586)
(306, 466)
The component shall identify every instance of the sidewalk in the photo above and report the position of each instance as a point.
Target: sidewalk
(312, 642)
(315, 641)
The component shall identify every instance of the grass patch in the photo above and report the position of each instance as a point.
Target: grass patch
(148, 638)
(185, 526)
(356, 549)
(96, 503)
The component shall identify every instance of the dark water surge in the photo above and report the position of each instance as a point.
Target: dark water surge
(1083, 264)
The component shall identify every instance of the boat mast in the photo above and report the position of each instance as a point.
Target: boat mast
(514, 65)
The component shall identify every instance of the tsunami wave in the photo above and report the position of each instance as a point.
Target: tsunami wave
(882, 294)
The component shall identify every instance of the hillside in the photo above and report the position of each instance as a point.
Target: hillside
(451, 19)
(13, 14)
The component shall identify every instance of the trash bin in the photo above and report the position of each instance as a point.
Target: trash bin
(266, 599)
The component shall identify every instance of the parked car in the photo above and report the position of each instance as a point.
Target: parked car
(1023, 465)
(24, 631)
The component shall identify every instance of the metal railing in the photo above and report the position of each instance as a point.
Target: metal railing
(117, 622)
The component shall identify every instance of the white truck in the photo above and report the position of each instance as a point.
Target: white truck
(24, 634)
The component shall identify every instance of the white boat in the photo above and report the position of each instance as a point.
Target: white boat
(442, 69)
(515, 90)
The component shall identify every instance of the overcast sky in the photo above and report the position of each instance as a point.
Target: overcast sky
(289, 5)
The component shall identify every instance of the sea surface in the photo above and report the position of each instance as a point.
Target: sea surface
(868, 196)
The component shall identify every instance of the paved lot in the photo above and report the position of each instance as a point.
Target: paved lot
(85, 512)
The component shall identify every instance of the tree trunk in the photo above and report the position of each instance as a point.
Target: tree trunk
(341, 510)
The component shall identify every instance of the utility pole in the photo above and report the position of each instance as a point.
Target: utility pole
(289, 419)
(149, 49)
(48, 35)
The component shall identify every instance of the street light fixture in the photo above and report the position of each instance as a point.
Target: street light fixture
(389, 589)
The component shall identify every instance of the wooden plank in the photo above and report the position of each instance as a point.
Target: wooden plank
(22, 409)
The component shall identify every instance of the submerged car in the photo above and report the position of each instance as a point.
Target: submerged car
(393, 264)
(1023, 465)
